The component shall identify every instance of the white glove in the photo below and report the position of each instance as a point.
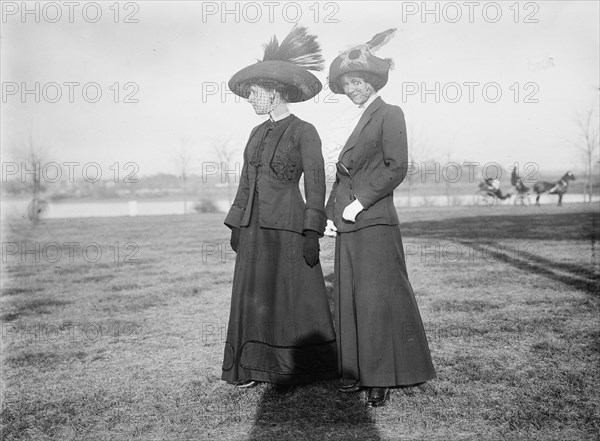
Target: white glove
(352, 210)
(330, 229)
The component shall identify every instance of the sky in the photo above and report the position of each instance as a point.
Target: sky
(531, 67)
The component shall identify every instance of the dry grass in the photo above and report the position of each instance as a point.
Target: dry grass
(122, 349)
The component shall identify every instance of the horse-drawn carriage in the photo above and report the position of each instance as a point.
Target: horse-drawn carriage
(489, 192)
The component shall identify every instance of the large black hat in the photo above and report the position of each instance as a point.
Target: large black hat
(361, 59)
(286, 64)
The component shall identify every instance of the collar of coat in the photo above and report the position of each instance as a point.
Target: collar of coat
(362, 122)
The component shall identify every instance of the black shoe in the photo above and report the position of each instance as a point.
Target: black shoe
(246, 384)
(349, 387)
(377, 396)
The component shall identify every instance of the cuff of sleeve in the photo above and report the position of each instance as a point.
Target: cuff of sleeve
(234, 217)
(365, 201)
(315, 220)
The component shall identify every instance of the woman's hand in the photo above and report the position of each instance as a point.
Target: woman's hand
(235, 239)
(352, 210)
(330, 229)
(311, 247)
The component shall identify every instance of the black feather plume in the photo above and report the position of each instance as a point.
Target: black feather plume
(299, 47)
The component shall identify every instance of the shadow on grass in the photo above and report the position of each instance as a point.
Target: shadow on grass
(557, 226)
(315, 412)
(571, 275)
(481, 232)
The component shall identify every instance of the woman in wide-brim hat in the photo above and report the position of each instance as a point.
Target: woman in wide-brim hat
(380, 336)
(280, 326)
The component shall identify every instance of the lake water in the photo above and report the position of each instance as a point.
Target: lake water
(12, 208)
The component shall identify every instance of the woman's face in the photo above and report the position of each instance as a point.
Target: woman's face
(263, 100)
(356, 89)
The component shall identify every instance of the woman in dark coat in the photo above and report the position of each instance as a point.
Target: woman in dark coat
(380, 335)
(280, 326)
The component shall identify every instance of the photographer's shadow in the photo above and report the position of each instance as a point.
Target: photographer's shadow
(314, 411)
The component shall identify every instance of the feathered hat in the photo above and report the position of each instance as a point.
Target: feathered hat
(286, 63)
(361, 59)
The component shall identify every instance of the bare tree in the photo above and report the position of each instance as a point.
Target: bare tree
(183, 161)
(226, 151)
(419, 151)
(447, 183)
(587, 144)
(31, 156)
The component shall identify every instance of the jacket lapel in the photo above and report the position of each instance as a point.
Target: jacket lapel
(364, 119)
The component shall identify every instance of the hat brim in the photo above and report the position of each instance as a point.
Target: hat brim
(301, 85)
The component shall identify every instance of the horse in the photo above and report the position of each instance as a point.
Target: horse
(559, 187)
(522, 194)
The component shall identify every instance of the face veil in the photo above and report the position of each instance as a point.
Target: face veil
(263, 100)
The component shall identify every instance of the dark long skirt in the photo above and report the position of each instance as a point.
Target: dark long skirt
(280, 326)
(380, 336)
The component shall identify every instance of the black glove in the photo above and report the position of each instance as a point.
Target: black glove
(311, 247)
(235, 239)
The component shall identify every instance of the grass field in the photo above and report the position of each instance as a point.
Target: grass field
(114, 329)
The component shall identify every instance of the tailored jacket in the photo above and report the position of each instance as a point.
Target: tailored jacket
(373, 162)
(271, 172)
